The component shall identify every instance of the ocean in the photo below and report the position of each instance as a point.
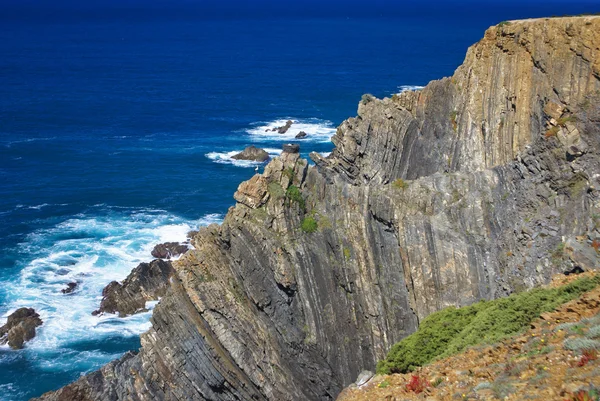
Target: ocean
(116, 132)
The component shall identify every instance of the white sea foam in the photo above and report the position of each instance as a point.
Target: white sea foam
(226, 157)
(316, 130)
(406, 88)
(91, 251)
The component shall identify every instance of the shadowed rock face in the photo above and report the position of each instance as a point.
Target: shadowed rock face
(20, 327)
(169, 250)
(147, 282)
(469, 189)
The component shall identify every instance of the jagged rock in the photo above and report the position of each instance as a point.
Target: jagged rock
(291, 148)
(419, 207)
(70, 288)
(252, 193)
(252, 153)
(301, 135)
(169, 250)
(283, 129)
(147, 282)
(20, 327)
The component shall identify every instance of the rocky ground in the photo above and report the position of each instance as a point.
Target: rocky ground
(557, 359)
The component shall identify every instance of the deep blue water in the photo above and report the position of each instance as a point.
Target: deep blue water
(115, 133)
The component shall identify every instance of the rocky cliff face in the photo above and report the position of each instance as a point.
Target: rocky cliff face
(476, 186)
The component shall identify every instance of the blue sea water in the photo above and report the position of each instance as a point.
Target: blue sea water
(116, 132)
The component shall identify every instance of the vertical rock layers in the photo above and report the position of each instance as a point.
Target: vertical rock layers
(476, 186)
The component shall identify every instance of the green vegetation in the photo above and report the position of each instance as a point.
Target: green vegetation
(564, 120)
(293, 194)
(552, 132)
(400, 184)
(451, 330)
(453, 120)
(367, 98)
(275, 190)
(309, 224)
(504, 23)
(347, 254)
(384, 384)
(289, 173)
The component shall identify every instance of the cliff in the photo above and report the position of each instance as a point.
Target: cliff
(476, 186)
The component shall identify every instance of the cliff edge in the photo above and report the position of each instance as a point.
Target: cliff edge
(474, 187)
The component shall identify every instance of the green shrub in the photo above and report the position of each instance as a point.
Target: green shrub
(289, 173)
(293, 194)
(504, 23)
(400, 184)
(451, 330)
(309, 224)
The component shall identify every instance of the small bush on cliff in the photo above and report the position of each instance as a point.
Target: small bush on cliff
(293, 194)
(367, 98)
(400, 184)
(309, 225)
(451, 330)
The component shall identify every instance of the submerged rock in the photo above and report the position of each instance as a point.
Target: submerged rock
(147, 282)
(70, 288)
(20, 327)
(169, 250)
(252, 153)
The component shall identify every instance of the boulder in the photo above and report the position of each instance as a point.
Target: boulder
(291, 148)
(20, 327)
(252, 153)
(301, 135)
(70, 288)
(169, 250)
(147, 282)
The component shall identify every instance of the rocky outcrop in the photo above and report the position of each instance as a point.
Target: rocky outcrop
(284, 128)
(474, 187)
(301, 135)
(147, 282)
(169, 250)
(70, 288)
(252, 153)
(20, 327)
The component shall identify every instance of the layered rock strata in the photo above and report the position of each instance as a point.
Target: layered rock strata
(476, 186)
(147, 282)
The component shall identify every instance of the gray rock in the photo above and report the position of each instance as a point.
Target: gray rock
(169, 250)
(147, 282)
(252, 153)
(283, 129)
(291, 148)
(364, 377)
(301, 135)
